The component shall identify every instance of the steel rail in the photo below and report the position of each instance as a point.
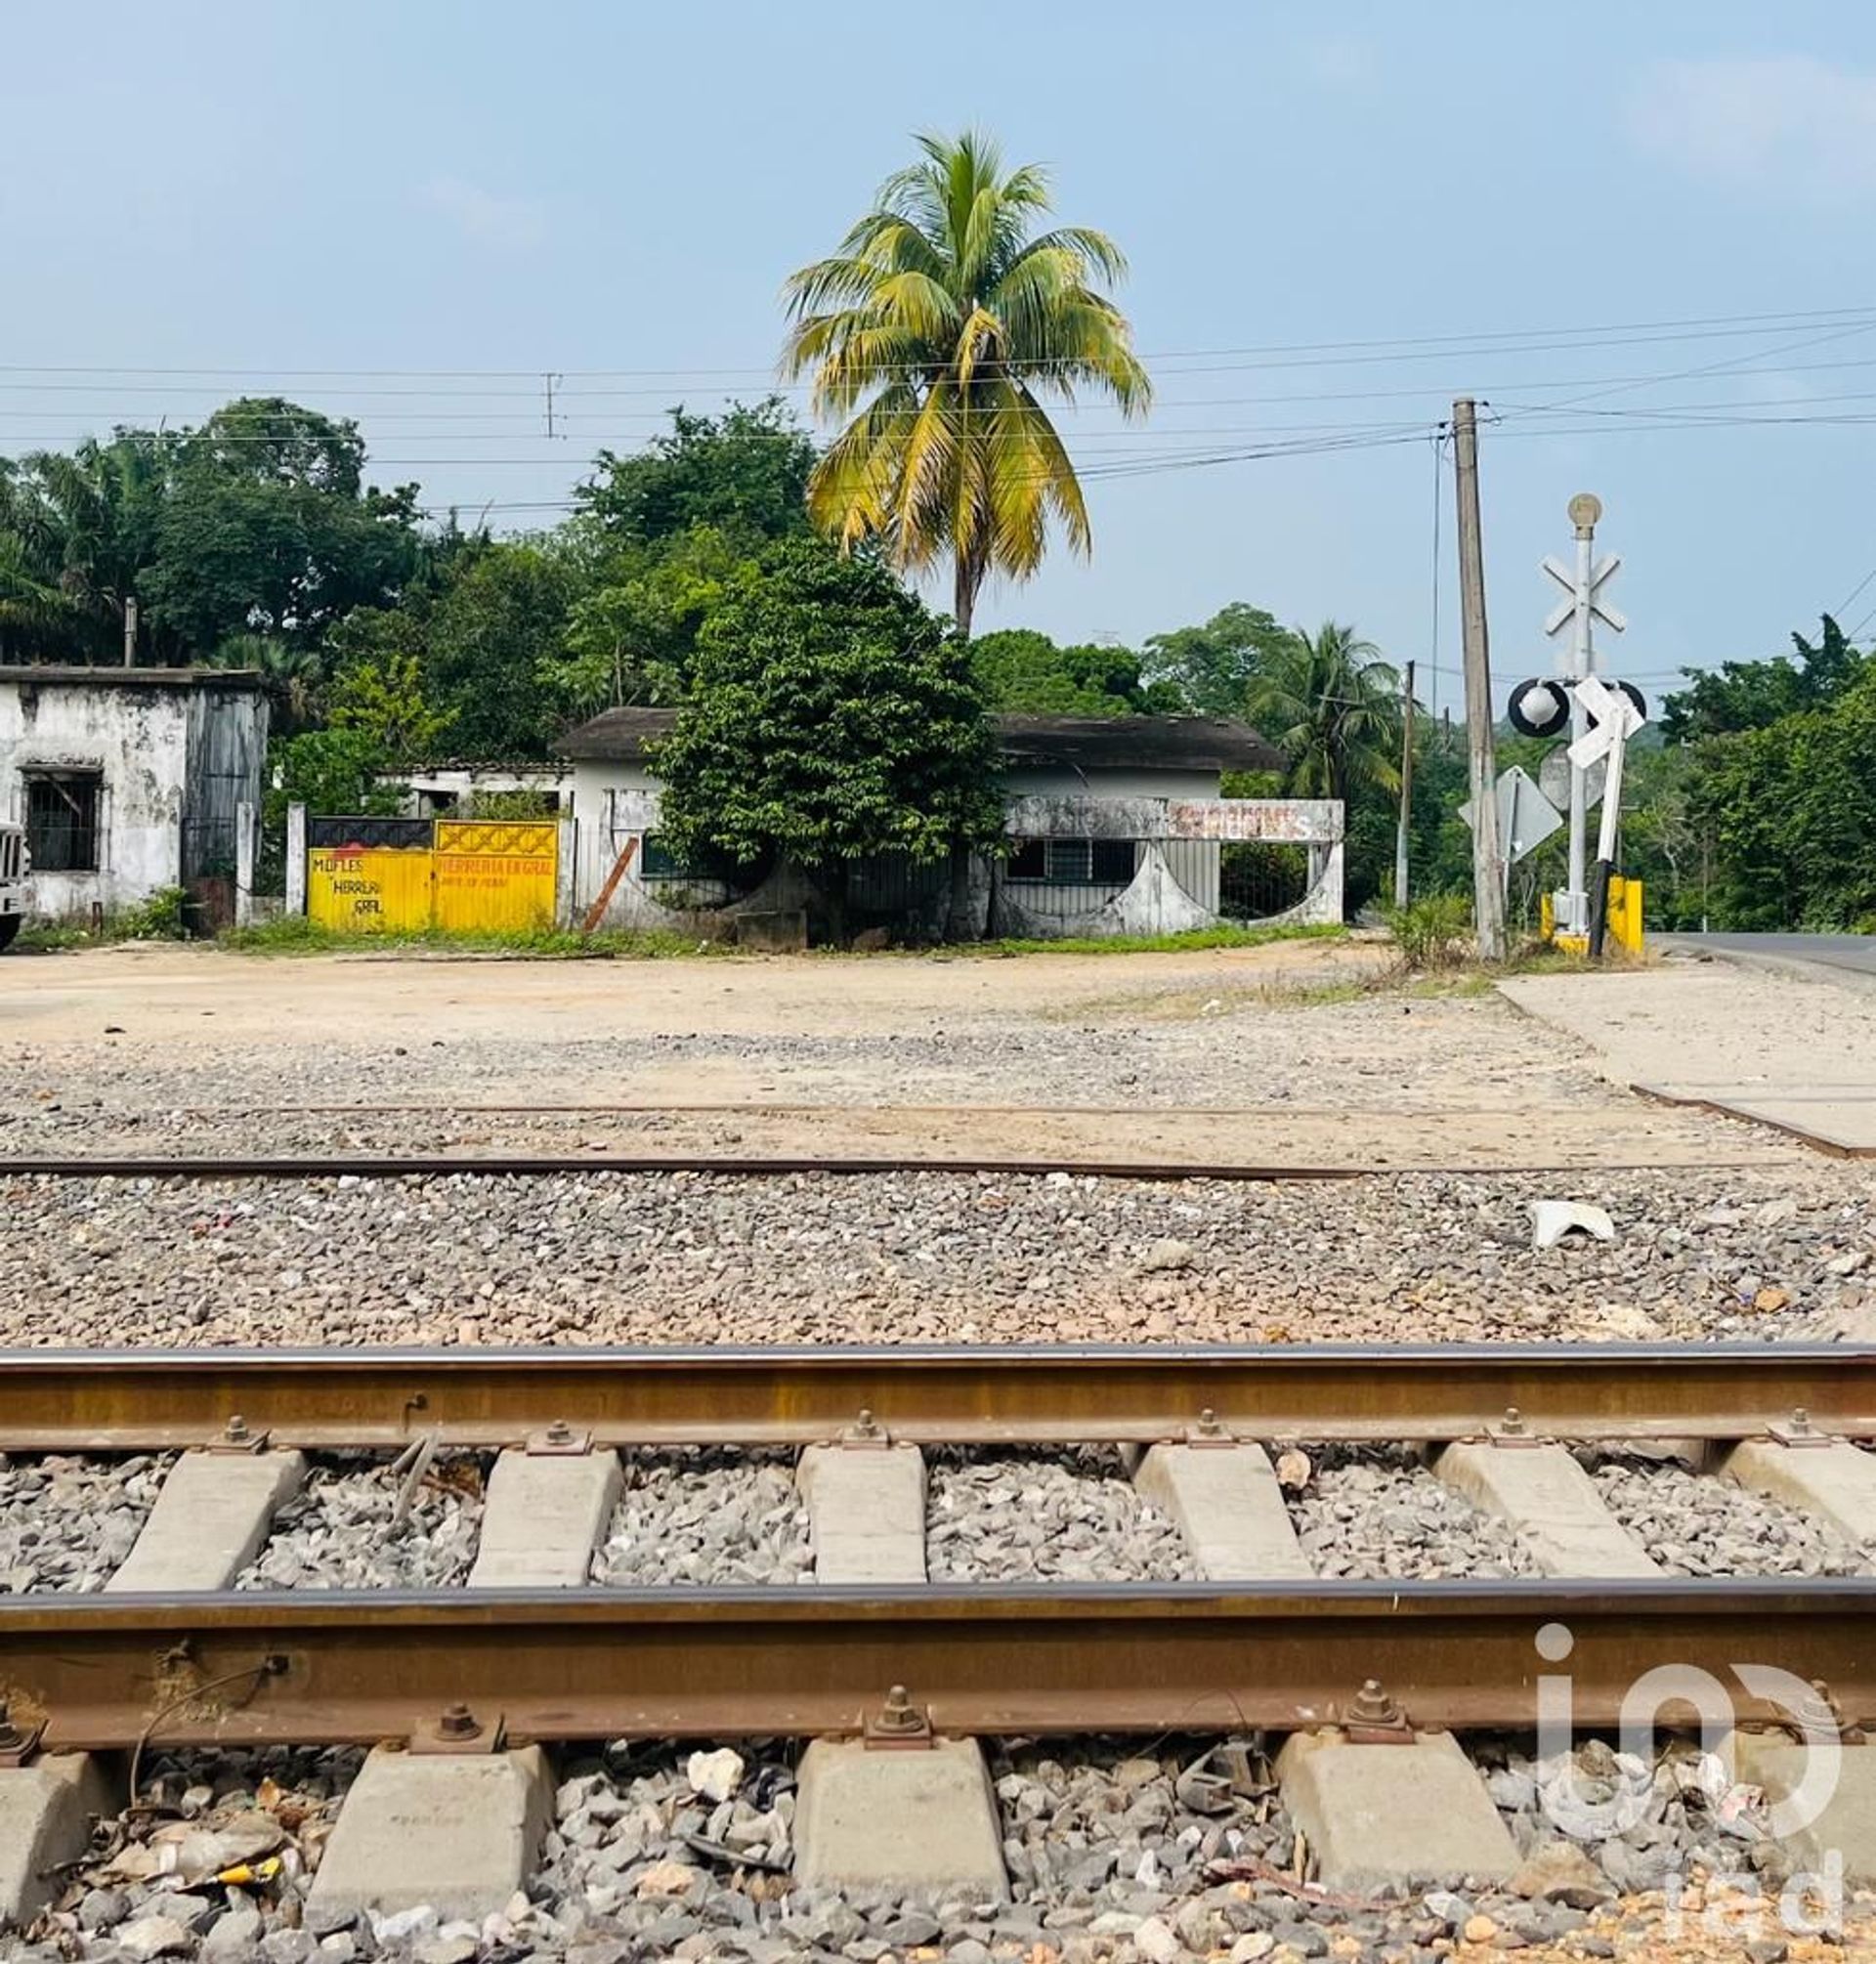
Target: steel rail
(89, 1400)
(313, 1667)
(747, 1166)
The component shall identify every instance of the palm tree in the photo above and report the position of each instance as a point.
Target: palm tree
(1331, 705)
(943, 319)
(295, 671)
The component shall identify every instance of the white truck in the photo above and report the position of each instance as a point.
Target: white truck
(14, 868)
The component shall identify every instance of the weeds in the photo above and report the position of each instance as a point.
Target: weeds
(1199, 938)
(294, 934)
(1432, 932)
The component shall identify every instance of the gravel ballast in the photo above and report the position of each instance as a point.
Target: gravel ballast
(706, 1517)
(1377, 1512)
(1118, 1852)
(1694, 1524)
(919, 1257)
(344, 1528)
(67, 1523)
(1067, 1516)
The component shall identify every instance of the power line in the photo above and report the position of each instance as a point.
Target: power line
(1407, 347)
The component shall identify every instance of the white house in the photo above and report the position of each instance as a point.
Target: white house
(1117, 827)
(129, 779)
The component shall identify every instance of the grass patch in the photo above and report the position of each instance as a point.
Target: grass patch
(1200, 938)
(296, 935)
(55, 937)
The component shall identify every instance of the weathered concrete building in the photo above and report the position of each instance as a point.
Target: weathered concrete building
(130, 780)
(1116, 827)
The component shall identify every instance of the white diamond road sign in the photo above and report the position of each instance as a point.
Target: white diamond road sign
(1527, 817)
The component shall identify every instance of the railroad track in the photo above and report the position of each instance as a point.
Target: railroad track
(466, 1682)
(1232, 1649)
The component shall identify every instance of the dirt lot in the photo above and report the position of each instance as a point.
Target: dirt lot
(1267, 1056)
(1462, 1106)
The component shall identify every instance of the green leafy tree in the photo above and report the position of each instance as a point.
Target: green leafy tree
(383, 699)
(1786, 817)
(938, 332)
(744, 473)
(499, 617)
(1211, 667)
(831, 719)
(86, 522)
(328, 772)
(1022, 670)
(296, 673)
(633, 637)
(266, 527)
(486, 621)
(1752, 695)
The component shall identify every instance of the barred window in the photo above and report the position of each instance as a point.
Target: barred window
(657, 861)
(62, 820)
(1073, 862)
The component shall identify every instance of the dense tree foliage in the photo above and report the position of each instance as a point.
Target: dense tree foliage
(1752, 695)
(941, 326)
(1211, 667)
(831, 718)
(745, 474)
(1019, 668)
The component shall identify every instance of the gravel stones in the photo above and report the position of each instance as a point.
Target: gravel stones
(343, 1529)
(67, 1523)
(1378, 1512)
(1117, 1852)
(1067, 1516)
(918, 1257)
(1693, 1525)
(708, 1517)
(149, 1890)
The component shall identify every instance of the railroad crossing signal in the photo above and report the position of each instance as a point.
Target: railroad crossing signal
(1586, 593)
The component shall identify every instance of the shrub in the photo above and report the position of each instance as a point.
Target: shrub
(1435, 931)
(160, 918)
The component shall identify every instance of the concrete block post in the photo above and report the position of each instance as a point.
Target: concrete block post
(247, 839)
(296, 859)
(567, 873)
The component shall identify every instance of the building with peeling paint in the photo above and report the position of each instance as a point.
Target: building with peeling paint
(1116, 825)
(129, 781)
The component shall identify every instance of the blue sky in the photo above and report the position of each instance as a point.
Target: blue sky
(471, 195)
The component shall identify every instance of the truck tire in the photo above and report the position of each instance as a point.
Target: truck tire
(9, 927)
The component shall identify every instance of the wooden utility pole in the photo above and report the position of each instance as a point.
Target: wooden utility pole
(1406, 783)
(1488, 859)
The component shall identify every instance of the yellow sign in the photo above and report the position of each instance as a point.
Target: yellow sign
(355, 889)
(496, 874)
(459, 875)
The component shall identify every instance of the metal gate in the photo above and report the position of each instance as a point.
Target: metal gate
(401, 875)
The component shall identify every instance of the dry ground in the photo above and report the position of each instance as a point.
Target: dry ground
(1267, 1056)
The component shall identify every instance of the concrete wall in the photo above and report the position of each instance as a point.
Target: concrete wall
(613, 803)
(137, 739)
(1175, 886)
(175, 762)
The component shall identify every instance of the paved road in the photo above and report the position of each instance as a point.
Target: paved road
(1854, 952)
